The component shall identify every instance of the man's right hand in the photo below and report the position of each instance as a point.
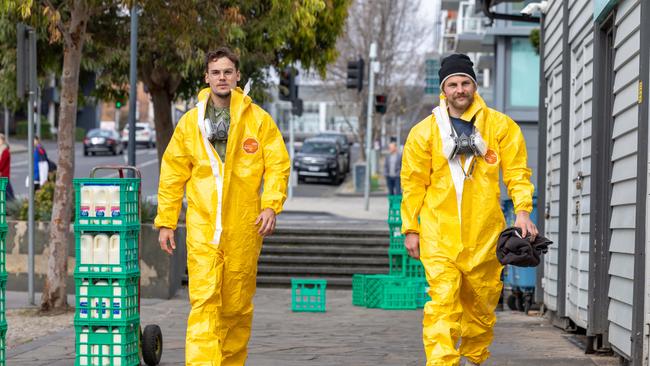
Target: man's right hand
(166, 240)
(412, 244)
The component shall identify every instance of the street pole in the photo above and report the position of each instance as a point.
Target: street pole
(38, 111)
(30, 151)
(133, 76)
(371, 92)
(291, 155)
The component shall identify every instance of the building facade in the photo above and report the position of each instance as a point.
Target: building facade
(594, 163)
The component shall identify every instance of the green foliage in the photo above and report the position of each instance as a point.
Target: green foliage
(19, 208)
(21, 130)
(14, 208)
(79, 134)
(148, 210)
(535, 39)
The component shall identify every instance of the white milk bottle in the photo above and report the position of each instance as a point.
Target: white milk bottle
(83, 300)
(104, 302)
(117, 348)
(83, 347)
(86, 208)
(117, 300)
(100, 200)
(114, 252)
(100, 251)
(86, 249)
(114, 204)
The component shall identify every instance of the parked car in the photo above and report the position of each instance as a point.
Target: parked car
(145, 134)
(320, 158)
(98, 140)
(345, 143)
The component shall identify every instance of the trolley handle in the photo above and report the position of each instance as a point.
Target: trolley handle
(119, 168)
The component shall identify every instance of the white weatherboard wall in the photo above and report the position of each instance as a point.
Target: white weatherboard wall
(624, 181)
(582, 52)
(552, 64)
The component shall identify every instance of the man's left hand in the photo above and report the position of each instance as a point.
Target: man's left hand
(526, 225)
(266, 220)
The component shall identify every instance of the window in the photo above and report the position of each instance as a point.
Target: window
(523, 83)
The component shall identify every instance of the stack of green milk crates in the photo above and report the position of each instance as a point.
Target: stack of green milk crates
(3, 268)
(405, 286)
(107, 273)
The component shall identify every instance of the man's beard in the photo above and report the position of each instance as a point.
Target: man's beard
(461, 105)
(223, 95)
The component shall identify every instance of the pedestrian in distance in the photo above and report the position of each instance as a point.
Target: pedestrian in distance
(220, 153)
(452, 216)
(5, 167)
(41, 164)
(392, 168)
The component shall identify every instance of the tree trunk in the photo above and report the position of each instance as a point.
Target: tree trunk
(54, 292)
(162, 86)
(162, 105)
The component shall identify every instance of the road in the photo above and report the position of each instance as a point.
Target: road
(147, 162)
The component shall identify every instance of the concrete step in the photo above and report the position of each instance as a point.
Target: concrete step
(343, 260)
(333, 251)
(339, 251)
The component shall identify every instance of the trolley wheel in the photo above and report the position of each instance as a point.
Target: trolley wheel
(527, 302)
(152, 345)
(512, 302)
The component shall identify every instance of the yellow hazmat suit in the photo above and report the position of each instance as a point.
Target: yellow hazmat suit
(458, 251)
(223, 202)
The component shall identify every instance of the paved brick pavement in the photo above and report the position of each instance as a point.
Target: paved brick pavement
(344, 335)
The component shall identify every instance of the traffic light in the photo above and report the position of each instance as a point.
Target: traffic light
(355, 75)
(296, 107)
(118, 104)
(380, 103)
(288, 90)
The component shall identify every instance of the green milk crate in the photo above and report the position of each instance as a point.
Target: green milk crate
(3, 249)
(3, 298)
(394, 210)
(127, 213)
(3, 343)
(399, 293)
(308, 295)
(404, 265)
(107, 345)
(395, 230)
(3, 203)
(374, 289)
(358, 289)
(422, 292)
(128, 261)
(396, 246)
(101, 301)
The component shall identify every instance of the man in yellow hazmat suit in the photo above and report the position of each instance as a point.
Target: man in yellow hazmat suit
(222, 151)
(450, 181)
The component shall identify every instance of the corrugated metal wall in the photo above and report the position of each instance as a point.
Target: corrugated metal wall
(582, 52)
(552, 63)
(624, 169)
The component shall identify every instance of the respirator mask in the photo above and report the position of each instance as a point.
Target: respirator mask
(468, 145)
(217, 130)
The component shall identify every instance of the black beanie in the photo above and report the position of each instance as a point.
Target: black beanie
(456, 64)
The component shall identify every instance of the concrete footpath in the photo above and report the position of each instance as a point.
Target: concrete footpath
(344, 335)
